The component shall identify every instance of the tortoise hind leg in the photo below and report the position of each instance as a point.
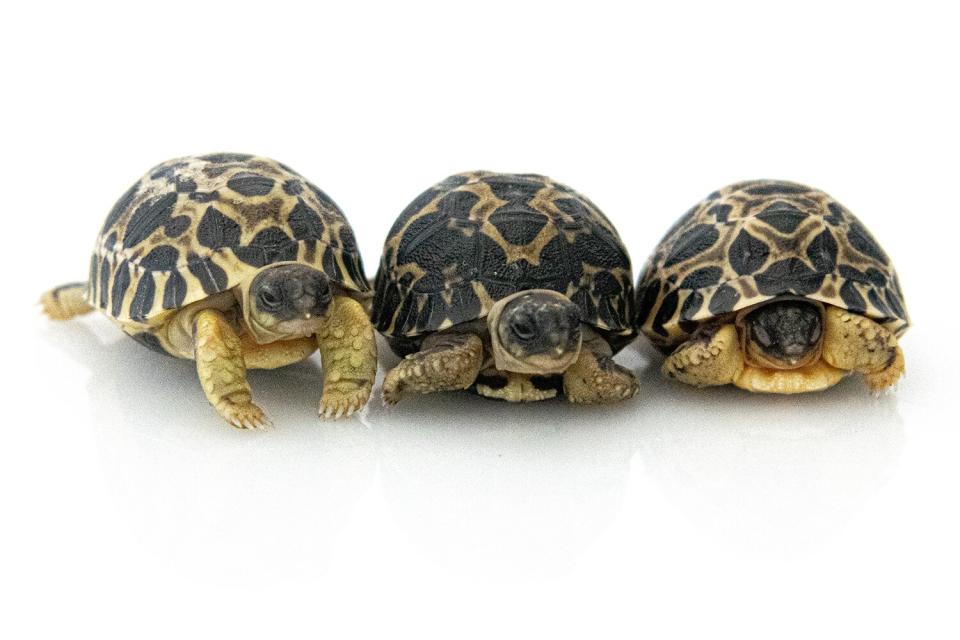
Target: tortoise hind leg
(596, 379)
(65, 302)
(710, 357)
(447, 362)
(855, 343)
(223, 375)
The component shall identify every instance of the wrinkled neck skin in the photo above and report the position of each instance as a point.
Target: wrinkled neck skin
(755, 356)
(537, 364)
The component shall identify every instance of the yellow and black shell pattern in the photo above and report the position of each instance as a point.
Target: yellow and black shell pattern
(196, 226)
(477, 237)
(754, 241)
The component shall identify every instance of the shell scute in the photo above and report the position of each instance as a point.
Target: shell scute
(754, 241)
(196, 226)
(477, 237)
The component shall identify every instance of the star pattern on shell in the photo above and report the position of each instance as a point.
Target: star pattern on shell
(477, 237)
(196, 226)
(754, 241)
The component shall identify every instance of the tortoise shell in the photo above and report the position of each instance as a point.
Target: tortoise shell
(757, 240)
(196, 226)
(477, 237)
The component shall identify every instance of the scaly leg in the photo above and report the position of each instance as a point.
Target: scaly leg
(65, 302)
(710, 357)
(348, 351)
(856, 343)
(222, 373)
(447, 362)
(596, 379)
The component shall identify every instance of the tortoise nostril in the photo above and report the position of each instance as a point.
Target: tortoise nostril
(294, 288)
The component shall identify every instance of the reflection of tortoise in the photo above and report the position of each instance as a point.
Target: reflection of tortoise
(513, 284)
(774, 287)
(234, 261)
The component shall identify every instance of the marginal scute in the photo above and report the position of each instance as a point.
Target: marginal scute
(477, 237)
(143, 299)
(174, 291)
(211, 276)
(724, 300)
(185, 231)
(753, 241)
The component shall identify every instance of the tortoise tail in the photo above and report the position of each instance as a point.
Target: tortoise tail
(66, 301)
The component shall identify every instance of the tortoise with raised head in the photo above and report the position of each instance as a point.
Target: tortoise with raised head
(511, 284)
(775, 287)
(235, 261)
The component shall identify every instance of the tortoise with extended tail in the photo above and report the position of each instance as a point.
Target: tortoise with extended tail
(511, 284)
(238, 262)
(774, 287)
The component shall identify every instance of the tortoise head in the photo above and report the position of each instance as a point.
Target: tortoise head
(783, 334)
(285, 300)
(535, 332)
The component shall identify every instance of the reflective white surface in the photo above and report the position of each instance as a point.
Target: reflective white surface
(129, 510)
(445, 507)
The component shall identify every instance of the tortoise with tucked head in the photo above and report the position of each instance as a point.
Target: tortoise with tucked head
(237, 262)
(774, 287)
(511, 284)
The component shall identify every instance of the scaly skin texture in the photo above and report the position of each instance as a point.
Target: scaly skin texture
(859, 344)
(348, 351)
(711, 357)
(222, 372)
(65, 302)
(596, 379)
(447, 362)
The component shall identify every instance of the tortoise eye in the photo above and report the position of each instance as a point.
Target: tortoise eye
(269, 299)
(760, 335)
(522, 329)
(815, 333)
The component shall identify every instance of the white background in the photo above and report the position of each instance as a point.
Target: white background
(129, 510)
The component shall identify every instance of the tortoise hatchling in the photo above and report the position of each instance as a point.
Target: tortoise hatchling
(237, 262)
(775, 287)
(512, 284)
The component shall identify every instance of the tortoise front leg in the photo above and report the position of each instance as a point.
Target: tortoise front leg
(447, 362)
(710, 357)
(855, 343)
(348, 351)
(65, 302)
(222, 372)
(596, 379)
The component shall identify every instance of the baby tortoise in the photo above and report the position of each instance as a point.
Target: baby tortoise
(775, 287)
(512, 284)
(237, 262)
